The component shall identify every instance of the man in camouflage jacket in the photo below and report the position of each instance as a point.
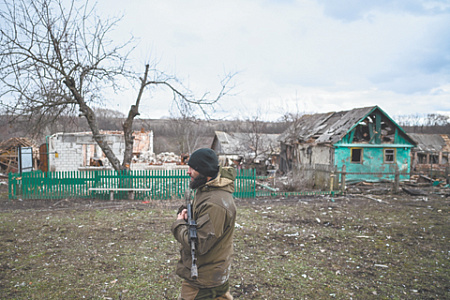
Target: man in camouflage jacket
(215, 213)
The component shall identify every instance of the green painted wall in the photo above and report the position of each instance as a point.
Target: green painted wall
(381, 134)
(373, 162)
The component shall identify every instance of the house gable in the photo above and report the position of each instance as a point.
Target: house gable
(376, 128)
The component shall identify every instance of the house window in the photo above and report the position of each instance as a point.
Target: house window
(356, 155)
(434, 158)
(445, 157)
(389, 155)
(421, 158)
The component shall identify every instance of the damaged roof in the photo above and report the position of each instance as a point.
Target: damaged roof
(328, 127)
(431, 142)
(13, 143)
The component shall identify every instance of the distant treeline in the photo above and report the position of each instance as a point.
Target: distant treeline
(437, 129)
(169, 133)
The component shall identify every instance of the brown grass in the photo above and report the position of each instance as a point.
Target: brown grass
(350, 247)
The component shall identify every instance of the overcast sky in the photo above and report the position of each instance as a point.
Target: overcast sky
(295, 56)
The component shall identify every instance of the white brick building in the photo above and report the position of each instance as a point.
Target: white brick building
(77, 151)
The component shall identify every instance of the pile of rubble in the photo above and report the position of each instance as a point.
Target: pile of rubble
(160, 159)
(164, 158)
(9, 152)
(167, 157)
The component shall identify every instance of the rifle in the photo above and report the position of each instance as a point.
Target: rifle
(192, 234)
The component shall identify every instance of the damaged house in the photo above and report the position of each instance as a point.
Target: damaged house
(259, 150)
(366, 141)
(432, 154)
(78, 151)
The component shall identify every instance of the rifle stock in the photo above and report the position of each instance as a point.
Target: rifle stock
(192, 234)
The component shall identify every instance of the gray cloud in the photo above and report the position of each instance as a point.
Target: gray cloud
(351, 10)
(314, 55)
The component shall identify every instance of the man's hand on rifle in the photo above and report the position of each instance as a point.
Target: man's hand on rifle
(182, 215)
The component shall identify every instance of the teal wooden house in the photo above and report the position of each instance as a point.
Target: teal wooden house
(365, 140)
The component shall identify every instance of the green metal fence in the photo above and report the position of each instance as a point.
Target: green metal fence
(145, 184)
(245, 184)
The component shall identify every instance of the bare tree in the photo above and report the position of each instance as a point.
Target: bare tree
(186, 128)
(423, 120)
(107, 113)
(187, 133)
(260, 144)
(183, 99)
(292, 121)
(253, 139)
(410, 120)
(58, 59)
(437, 120)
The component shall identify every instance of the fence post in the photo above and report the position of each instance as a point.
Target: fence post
(11, 189)
(343, 173)
(397, 179)
(332, 180)
(447, 174)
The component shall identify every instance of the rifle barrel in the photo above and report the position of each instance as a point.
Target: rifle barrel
(192, 234)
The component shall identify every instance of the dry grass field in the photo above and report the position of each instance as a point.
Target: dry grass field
(343, 247)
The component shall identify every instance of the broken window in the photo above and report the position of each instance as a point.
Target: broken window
(421, 158)
(434, 158)
(356, 155)
(389, 155)
(361, 133)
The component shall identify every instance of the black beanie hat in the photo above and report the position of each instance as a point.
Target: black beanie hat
(205, 162)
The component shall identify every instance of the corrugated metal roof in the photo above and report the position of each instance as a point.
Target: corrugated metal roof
(431, 142)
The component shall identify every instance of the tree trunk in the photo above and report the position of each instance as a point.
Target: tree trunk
(128, 124)
(92, 122)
